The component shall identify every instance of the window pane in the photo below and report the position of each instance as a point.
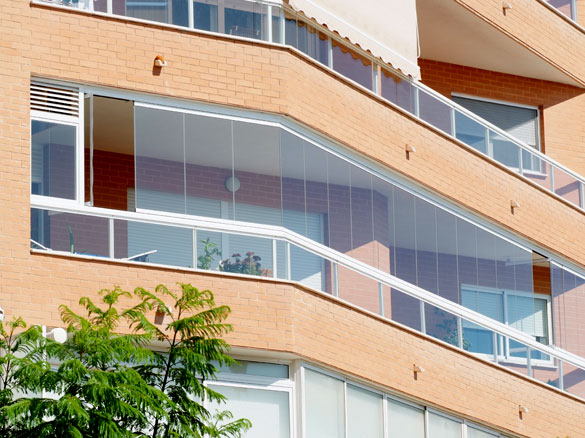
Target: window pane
(443, 427)
(352, 65)
(476, 433)
(324, 406)
(205, 15)
(160, 160)
(268, 411)
(364, 413)
(405, 421)
(53, 153)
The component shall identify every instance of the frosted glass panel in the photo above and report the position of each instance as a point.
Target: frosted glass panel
(268, 411)
(443, 427)
(256, 369)
(364, 413)
(405, 421)
(323, 406)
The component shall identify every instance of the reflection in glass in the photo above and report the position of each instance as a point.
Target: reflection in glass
(205, 14)
(435, 112)
(470, 132)
(352, 65)
(245, 19)
(397, 90)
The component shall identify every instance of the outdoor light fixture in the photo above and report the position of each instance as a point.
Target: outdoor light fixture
(58, 334)
(159, 61)
(232, 184)
(417, 368)
(514, 205)
(522, 409)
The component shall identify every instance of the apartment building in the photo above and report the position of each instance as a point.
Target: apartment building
(389, 196)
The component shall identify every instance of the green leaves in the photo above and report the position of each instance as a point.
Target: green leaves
(105, 381)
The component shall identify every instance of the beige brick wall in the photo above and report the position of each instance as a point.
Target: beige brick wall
(110, 52)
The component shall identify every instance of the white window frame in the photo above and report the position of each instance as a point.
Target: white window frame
(247, 381)
(504, 343)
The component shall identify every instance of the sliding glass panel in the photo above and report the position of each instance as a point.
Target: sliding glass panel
(365, 417)
(162, 11)
(160, 160)
(404, 309)
(205, 15)
(100, 5)
(246, 19)
(292, 161)
(324, 406)
(316, 194)
(277, 25)
(53, 158)
(397, 90)
(405, 421)
(435, 112)
(472, 432)
(209, 250)
(443, 427)
(247, 255)
(165, 245)
(447, 255)
(257, 189)
(312, 42)
(290, 30)
(268, 410)
(352, 65)
(470, 132)
(208, 168)
(362, 221)
(426, 246)
(383, 200)
(73, 233)
(338, 171)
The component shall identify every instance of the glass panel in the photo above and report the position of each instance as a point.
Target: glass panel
(443, 427)
(547, 374)
(312, 42)
(282, 257)
(358, 290)
(574, 380)
(447, 255)
(268, 411)
(383, 197)
(405, 421)
(466, 253)
(74, 233)
(324, 406)
(246, 19)
(397, 90)
(160, 155)
(205, 15)
(277, 22)
(53, 170)
(426, 246)
(256, 369)
(477, 339)
(470, 132)
(316, 193)
(365, 417)
(162, 11)
(290, 30)
(404, 235)
(209, 250)
(310, 269)
(257, 192)
(339, 204)
(100, 5)
(476, 433)
(564, 6)
(529, 315)
(160, 244)
(435, 112)
(504, 151)
(208, 167)
(404, 309)
(567, 186)
(292, 161)
(540, 172)
(442, 325)
(352, 65)
(362, 225)
(246, 255)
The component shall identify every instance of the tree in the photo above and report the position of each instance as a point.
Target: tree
(113, 384)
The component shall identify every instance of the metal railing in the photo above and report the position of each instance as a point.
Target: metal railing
(509, 347)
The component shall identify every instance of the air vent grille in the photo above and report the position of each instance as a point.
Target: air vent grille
(54, 98)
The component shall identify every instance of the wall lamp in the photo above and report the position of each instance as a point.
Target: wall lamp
(232, 184)
(58, 334)
(159, 61)
(514, 205)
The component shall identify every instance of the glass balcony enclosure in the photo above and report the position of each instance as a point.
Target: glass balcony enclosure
(273, 23)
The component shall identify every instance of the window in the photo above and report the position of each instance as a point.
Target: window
(520, 122)
(324, 406)
(233, 17)
(405, 420)
(523, 311)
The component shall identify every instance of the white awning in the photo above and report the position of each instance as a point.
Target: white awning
(386, 28)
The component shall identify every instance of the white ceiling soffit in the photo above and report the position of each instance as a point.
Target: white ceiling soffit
(387, 29)
(450, 33)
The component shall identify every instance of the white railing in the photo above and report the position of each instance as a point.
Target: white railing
(549, 357)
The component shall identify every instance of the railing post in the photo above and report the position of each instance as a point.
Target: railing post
(268, 24)
(495, 346)
(529, 360)
(453, 127)
(288, 265)
(423, 322)
(552, 178)
(459, 332)
(111, 239)
(520, 161)
(109, 7)
(191, 12)
(335, 281)
(274, 260)
(416, 102)
(581, 195)
(381, 298)
(561, 376)
(489, 147)
(195, 264)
